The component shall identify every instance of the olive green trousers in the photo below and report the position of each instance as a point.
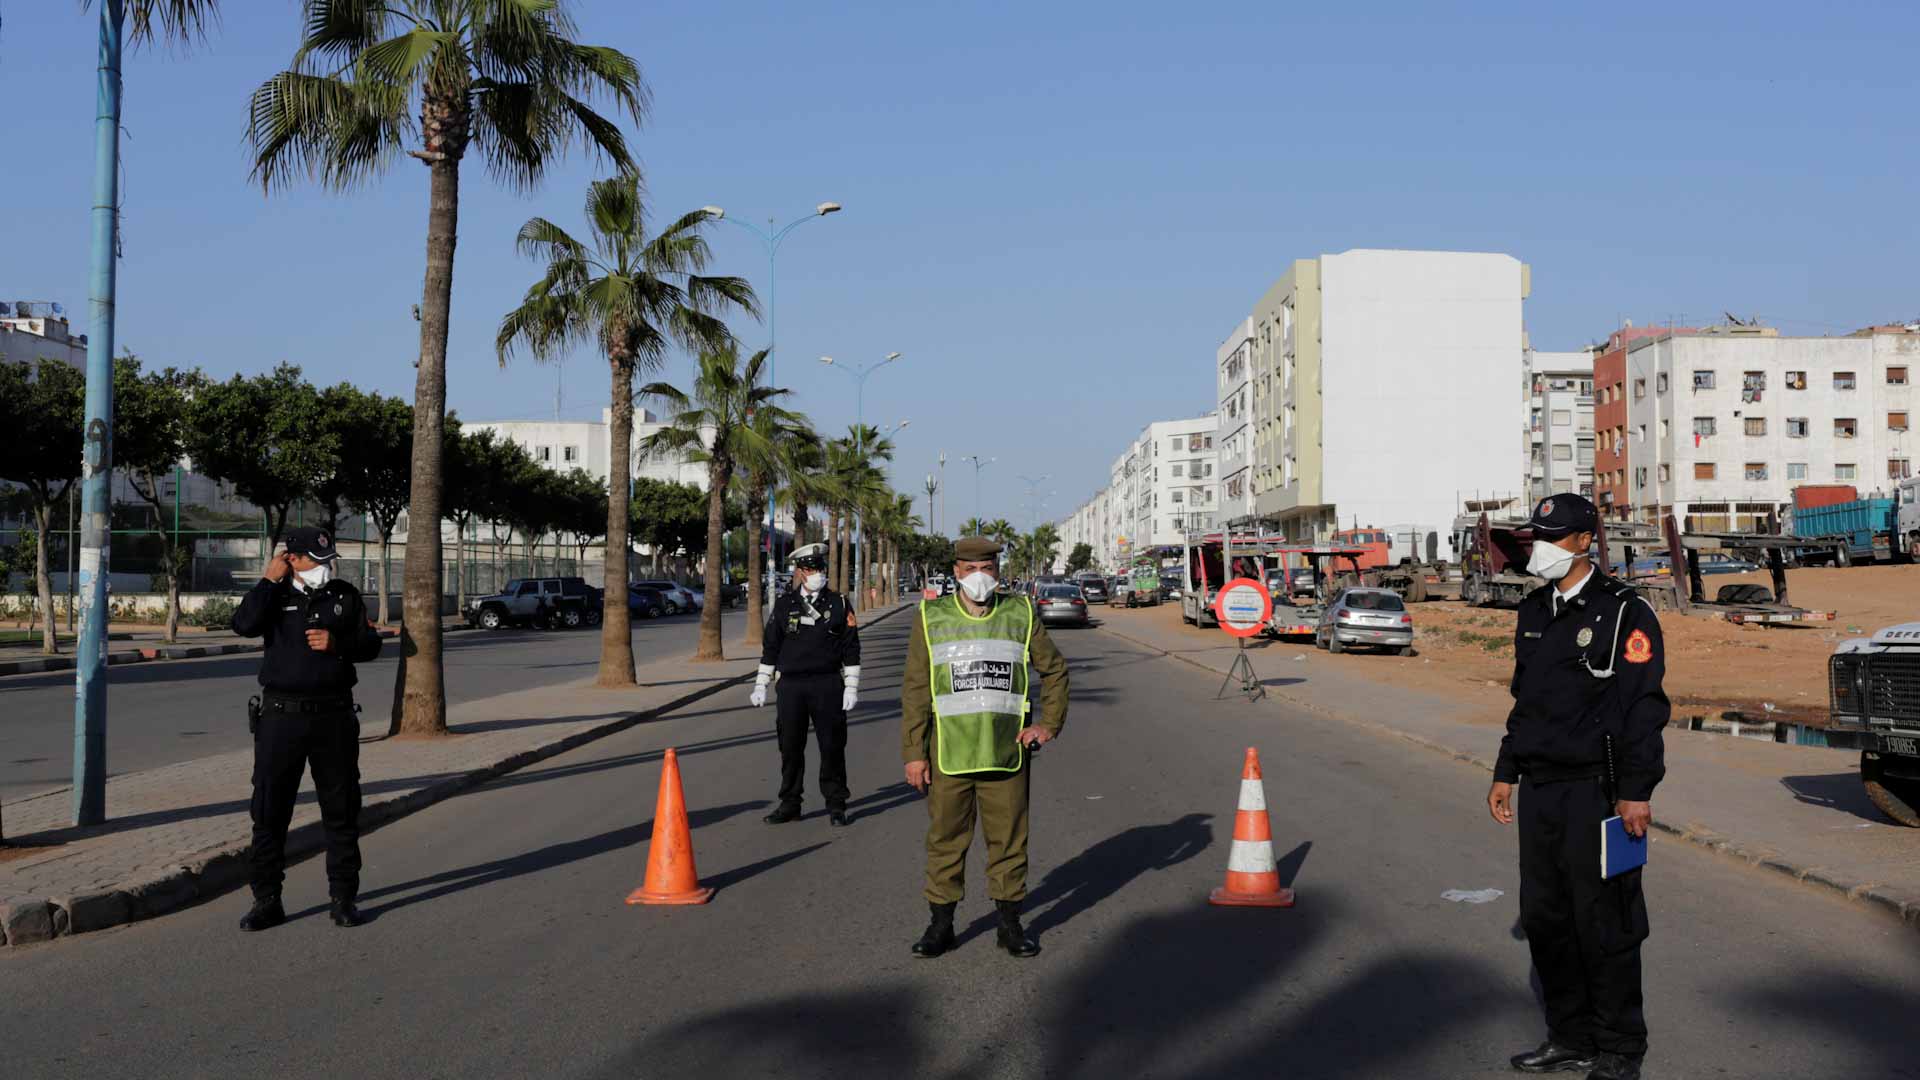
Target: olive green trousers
(999, 802)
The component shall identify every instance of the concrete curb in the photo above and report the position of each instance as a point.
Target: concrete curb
(161, 653)
(206, 874)
(1897, 903)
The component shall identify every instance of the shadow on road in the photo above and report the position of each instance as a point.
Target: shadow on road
(1835, 791)
(1096, 874)
(448, 882)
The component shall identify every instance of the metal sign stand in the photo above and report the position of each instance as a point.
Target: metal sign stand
(1242, 670)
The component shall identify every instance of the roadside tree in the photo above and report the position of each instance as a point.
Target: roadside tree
(40, 410)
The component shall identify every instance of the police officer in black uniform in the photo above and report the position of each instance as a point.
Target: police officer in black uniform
(813, 641)
(1583, 744)
(316, 630)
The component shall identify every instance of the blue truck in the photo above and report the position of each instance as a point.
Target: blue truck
(1860, 531)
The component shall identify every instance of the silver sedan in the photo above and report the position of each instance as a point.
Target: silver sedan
(1359, 616)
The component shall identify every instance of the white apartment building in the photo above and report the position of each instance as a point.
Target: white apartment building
(1559, 423)
(1165, 483)
(1233, 362)
(1723, 424)
(565, 445)
(1383, 391)
(31, 331)
(1086, 524)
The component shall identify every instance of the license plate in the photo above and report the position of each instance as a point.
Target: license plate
(1900, 744)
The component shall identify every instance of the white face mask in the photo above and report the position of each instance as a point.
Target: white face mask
(314, 578)
(814, 582)
(978, 586)
(1550, 561)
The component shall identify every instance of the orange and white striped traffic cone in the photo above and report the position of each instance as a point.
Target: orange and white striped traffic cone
(1252, 878)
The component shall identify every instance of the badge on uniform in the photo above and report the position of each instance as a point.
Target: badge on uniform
(1639, 647)
(1584, 638)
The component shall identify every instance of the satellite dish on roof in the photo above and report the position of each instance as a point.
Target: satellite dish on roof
(6, 309)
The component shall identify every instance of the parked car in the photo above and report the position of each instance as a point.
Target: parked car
(645, 603)
(1362, 616)
(556, 601)
(1121, 593)
(1061, 604)
(678, 597)
(1094, 589)
(1303, 582)
(733, 595)
(1716, 562)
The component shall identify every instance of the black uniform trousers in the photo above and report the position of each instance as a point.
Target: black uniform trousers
(286, 744)
(1584, 931)
(812, 699)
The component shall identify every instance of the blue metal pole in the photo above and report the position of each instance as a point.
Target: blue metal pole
(773, 336)
(96, 462)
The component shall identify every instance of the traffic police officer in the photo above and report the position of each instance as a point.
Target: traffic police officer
(813, 641)
(965, 736)
(316, 630)
(1583, 743)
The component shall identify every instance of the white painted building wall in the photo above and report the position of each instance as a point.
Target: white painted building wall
(1724, 426)
(1233, 442)
(1560, 423)
(1419, 351)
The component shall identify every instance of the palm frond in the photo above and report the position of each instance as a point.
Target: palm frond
(181, 22)
(329, 128)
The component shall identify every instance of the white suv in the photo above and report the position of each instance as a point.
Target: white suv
(678, 597)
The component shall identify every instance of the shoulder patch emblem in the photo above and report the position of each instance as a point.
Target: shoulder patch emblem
(851, 621)
(1639, 647)
(1584, 638)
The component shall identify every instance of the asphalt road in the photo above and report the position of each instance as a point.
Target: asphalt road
(500, 945)
(160, 713)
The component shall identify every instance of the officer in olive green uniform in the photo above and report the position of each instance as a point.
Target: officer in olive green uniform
(965, 736)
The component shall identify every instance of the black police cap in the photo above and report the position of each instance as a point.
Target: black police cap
(312, 542)
(1564, 514)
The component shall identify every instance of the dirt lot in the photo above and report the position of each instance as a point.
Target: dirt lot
(1713, 667)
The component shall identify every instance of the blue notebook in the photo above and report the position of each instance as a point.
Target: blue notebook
(1619, 852)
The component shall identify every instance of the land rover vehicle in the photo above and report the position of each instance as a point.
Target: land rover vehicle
(1873, 687)
(554, 601)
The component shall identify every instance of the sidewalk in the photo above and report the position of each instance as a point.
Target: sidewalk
(1796, 810)
(143, 645)
(177, 835)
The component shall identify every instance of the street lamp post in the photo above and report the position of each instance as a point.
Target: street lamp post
(978, 464)
(772, 238)
(1033, 483)
(943, 491)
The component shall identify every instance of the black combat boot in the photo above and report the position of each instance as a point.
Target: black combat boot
(265, 915)
(1550, 1056)
(1013, 936)
(1615, 1067)
(782, 814)
(344, 912)
(939, 936)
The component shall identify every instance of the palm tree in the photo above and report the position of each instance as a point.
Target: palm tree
(933, 488)
(1037, 549)
(503, 77)
(774, 462)
(973, 526)
(893, 521)
(718, 424)
(869, 491)
(1002, 531)
(631, 296)
(806, 485)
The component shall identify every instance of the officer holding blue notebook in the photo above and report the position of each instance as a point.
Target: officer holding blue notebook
(1583, 745)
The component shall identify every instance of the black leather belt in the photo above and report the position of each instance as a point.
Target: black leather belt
(271, 702)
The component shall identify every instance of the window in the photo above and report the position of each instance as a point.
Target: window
(1796, 427)
(1704, 470)
(1666, 428)
(1207, 443)
(1756, 470)
(1896, 421)
(1843, 380)
(544, 453)
(1666, 473)
(1178, 470)
(1703, 380)
(1209, 469)
(1796, 470)
(1562, 418)
(1756, 425)
(1586, 387)
(570, 453)
(1703, 425)
(1179, 497)
(1177, 444)
(1896, 376)
(1640, 476)
(1843, 472)
(1796, 380)
(1660, 383)
(1845, 427)
(1639, 389)
(1753, 380)
(1898, 468)
(1562, 452)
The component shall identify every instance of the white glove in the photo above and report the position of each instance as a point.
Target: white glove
(847, 699)
(759, 696)
(762, 677)
(850, 679)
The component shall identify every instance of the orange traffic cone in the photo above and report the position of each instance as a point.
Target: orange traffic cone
(1252, 879)
(671, 878)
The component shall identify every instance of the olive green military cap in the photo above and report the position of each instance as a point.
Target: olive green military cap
(974, 548)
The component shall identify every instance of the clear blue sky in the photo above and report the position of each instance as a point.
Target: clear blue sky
(1056, 211)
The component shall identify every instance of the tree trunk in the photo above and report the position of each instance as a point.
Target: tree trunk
(386, 552)
(425, 708)
(834, 581)
(756, 585)
(616, 627)
(43, 577)
(719, 474)
(800, 510)
(173, 594)
(864, 569)
(460, 565)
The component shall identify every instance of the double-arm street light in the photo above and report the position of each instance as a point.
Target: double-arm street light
(859, 372)
(1033, 483)
(772, 237)
(978, 464)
